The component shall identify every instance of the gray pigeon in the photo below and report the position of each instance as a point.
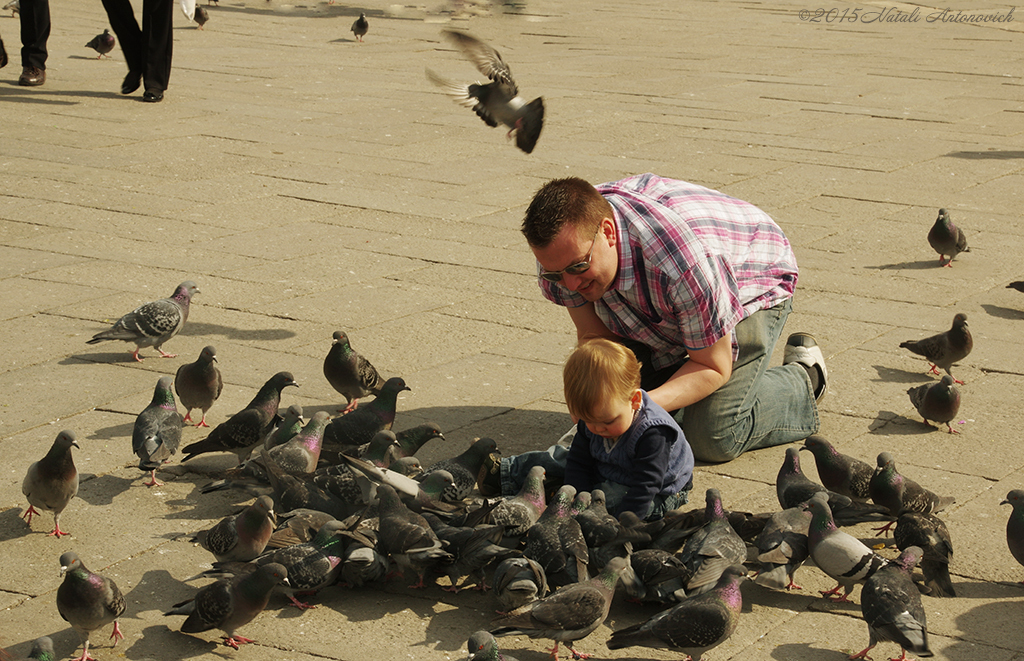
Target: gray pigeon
(52, 482)
(518, 581)
(557, 543)
(88, 601)
(1015, 525)
(840, 473)
(14, 6)
(244, 536)
(892, 608)
(601, 528)
(300, 454)
(349, 372)
(938, 402)
(230, 603)
(157, 431)
(360, 27)
(357, 427)
(297, 527)
(569, 614)
(944, 349)
(42, 650)
(152, 324)
(363, 564)
(661, 576)
(472, 550)
(483, 647)
(406, 536)
(465, 468)
(793, 488)
(411, 440)
(201, 17)
(245, 429)
(712, 549)
(694, 626)
(289, 426)
(946, 238)
(840, 555)
(929, 533)
(900, 494)
(497, 102)
(518, 513)
(199, 384)
(102, 43)
(782, 547)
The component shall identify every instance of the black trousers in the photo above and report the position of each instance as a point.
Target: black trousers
(35, 30)
(147, 50)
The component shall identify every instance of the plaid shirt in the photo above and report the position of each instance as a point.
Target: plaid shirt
(693, 263)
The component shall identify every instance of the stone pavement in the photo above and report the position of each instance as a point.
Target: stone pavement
(307, 183)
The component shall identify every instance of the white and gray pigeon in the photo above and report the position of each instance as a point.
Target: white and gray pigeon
(1015, 525)
(900, 494)
(937, 402)
(518, 581)
(52, 482)
(946, 348)
(244, 536)
(152, 324)
(782, 547)
(230, 603)
(349, 372)
(497, 102)
(360, 26)
(839, 554)
(946, 238)
(157, 431)
(42, 650)
(693, 626)
(713, 548)
(88, 601)
(199, 384)
(891, 605)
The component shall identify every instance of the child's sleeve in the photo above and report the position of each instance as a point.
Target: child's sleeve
(650, 461)
(580, 466)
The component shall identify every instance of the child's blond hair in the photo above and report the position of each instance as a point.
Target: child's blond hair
(598, 370)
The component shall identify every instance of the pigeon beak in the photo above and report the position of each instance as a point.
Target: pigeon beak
(284, 581)
(63, 570)
(75, 443)
(1006, 502)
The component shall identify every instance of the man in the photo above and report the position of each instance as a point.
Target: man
(699, 285)
(35, 30)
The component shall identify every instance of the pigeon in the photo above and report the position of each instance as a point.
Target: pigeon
(42, 650)
(348, 371)
(892, 608)
(297, 527)
(157, 431)
(88, 601)
(794, 488)
(14, 6)
(1015, 525)
(497, 102)
(929, 533)
(411, 440)
(406, 536)
(201, 17)
(938, 402)
(840, 473)
(291, 493)
(839, 554)
(360, 26)
(102, 43)
(713, 548)
(601, 528)
(483, 647)
(241, 537)
(52, 482)
(518, 581)
(946, 348)
(473, 549)
(556, 541)
(1018, 285)
(199, 384)
(782, 547)
(152, 324)
(289, 426)
(407, 466)
(358, 426)
(567, 615)
(518, 513)
(694, 626)
(245, 429)
(661, 576)
(363, 564)
(300, 454)
(900, 494)
(230, 603)
(465, 468)
(946, 238)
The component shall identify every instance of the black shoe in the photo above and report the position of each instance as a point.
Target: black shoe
(32, 77)
(153, 96)
(131, 82)
(3, 55)
(801, 348)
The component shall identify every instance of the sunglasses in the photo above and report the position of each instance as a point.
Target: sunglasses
(578, 268)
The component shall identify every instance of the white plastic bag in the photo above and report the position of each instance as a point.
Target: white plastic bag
(188, 7)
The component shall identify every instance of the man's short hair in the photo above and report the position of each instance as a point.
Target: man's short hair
(597, 371)
(571, 200)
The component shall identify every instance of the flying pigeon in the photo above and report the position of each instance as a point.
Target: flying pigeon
(1015, 525)
(245, 429)
(556, 541)
(201, 17)
(349, 372)
(840, 555)
(892, 608)
(230, 603)
(900, 494)
(358, 426)
(465, 468)
(946, 348)
(244, 536)
(102, 43)
(569, 614)
(517, 513)
(782, 547)
(88, 601)
(199, 384)
(712, 548)
(42, 650)
(157, 431)
(946, 238)
(360, 26)
(518, 581)
(52, 482)
(289, 426)
(497, 102)
(694, 626)
(406, 536)
(928, 532)
(152, 324)
(938, 402)
(483, 647)
(840, 473)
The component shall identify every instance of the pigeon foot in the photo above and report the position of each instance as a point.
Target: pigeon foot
(29, 512)
(153, 482)
(863, 654)
(235, 641)
(116, 633)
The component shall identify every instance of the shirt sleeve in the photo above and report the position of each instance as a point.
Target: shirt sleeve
(650, 461)
(580, 465)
